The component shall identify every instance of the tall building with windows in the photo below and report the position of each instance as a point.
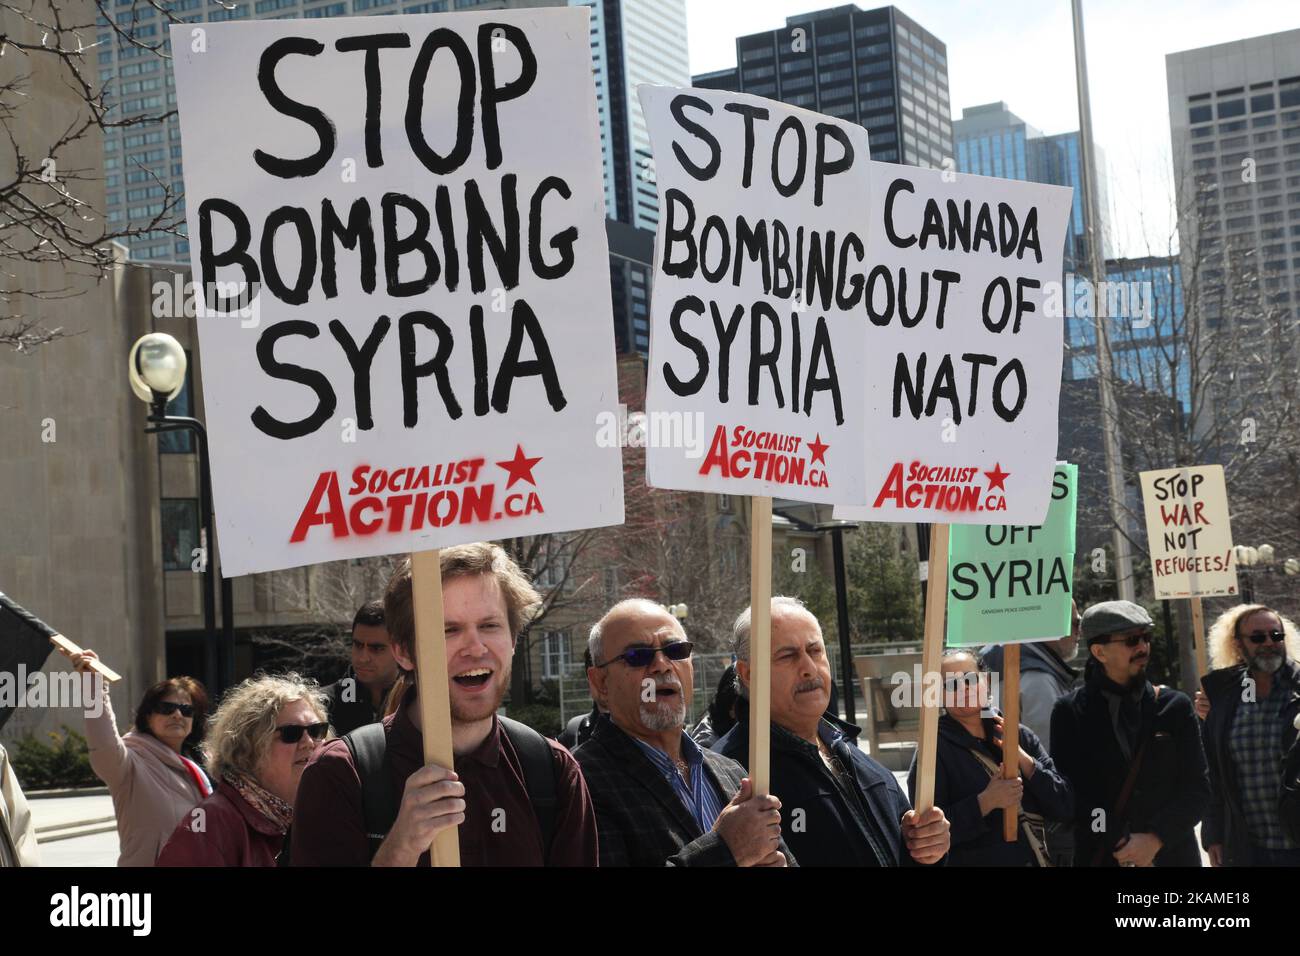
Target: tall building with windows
(1234, 118)
(878, 68)
(632, 42)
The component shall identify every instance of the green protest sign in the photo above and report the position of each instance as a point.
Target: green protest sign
(1010, 583)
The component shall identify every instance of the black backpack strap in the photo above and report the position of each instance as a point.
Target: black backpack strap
(369, 746)
(539, 775)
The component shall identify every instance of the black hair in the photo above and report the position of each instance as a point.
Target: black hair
(371, 614)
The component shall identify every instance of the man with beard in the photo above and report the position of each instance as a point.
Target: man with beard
(660, 799)
(357, 698)
(369, 798)
(843, 808)
(1132, 751)
(1254, 701)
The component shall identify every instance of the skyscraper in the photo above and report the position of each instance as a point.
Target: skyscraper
(1234, 118)
(632, 42)
(876, 67)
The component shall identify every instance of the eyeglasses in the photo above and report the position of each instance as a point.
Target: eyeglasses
(167, 708)
(1131, 640)
(643, 656)
(292, 733)
(1259, 637)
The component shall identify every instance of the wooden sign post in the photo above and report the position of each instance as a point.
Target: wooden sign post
(1198, 639)
(931, 664)
(760, 643)
(434, 697)
(1010, 732)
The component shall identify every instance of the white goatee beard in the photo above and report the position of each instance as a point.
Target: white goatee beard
(1267, 663)
(660, 719)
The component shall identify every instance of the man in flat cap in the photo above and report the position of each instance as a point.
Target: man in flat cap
(1131, 750)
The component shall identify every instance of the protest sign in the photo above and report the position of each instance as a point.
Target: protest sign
(756, 325)
(964, 348)
(756, 338)
(405, 318)
(1189, 532)
(1011, 583)
(1190, 538)
(425, 337)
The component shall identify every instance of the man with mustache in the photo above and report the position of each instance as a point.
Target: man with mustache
(842, 808)
(660, 799)
(517, 798)
(1132, 751)
(1251, 728)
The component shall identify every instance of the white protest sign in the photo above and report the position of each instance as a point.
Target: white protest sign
(418, 202)
(964, 361)
(1189, 532)
(757, 344)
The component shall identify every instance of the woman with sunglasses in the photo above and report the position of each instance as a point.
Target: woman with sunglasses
(151, 771)
(968, 782)
(257, 747)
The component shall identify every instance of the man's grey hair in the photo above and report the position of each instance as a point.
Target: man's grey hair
(740, 633)
(595, 639)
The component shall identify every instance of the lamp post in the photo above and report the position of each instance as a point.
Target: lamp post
(156, 371)
(1260, 560)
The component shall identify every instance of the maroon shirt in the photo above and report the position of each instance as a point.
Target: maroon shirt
(233, 833)
(329, 825)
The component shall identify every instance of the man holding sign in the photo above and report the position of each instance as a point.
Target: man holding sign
(367, 798)
(842, 807)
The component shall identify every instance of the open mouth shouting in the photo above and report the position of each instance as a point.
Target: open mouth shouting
(474, 679)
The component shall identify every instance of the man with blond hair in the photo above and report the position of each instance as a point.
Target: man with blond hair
(517, 798)
(1250, 738)
(660, 799)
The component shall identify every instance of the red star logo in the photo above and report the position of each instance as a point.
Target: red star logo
(520, 468)
(818, 449)
(997, 477)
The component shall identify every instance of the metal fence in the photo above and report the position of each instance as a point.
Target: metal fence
(575, 695)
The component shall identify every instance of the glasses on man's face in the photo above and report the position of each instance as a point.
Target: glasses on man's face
(1131, 640)
(168, 707)
(292, 733)
(642, 656)
(1259, 637)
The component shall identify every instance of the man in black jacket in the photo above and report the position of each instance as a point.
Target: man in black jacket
(1251, 727)
(1131, 751)
(659, 798)
(841, 807)
(357, 698)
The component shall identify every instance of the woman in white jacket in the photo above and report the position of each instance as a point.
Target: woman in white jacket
(153, 784)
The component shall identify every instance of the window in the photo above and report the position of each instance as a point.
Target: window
(1227, 108)
(724, 504)
(180, 533)
(1258, 104)
(555, 654)
(1199, 114)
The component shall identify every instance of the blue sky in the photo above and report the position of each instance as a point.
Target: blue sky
(1021, 52)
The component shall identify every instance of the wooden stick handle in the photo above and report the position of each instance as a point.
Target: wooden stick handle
(760, 643)
(936, 604)
(1198, 641)
(67, 648)
(1010, 732)
(434, 696)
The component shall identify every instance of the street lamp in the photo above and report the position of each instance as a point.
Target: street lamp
(156, 370)
(1260, 560)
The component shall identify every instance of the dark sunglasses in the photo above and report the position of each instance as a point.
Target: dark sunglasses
(167, 708)
(1259, 637)
(292, 733)
(642, 656)
(1132, 640)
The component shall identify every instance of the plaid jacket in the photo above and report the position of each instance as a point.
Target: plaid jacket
(639, 819)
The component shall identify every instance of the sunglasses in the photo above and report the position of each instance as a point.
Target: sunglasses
(953, 682)
(1259, 637)
(643, 656)
(1131, 640)
(167, 708)
(292, 733)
